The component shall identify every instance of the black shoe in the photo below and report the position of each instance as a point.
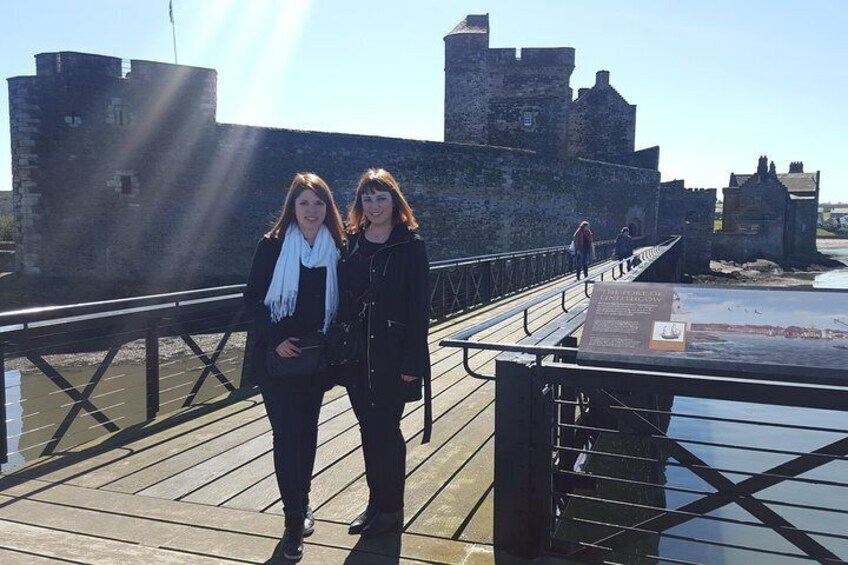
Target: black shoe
(383, 523)
(292, 544)
(360, 521)
(308, 522)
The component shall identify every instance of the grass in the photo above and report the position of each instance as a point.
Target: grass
(5, 228)
(821, 232)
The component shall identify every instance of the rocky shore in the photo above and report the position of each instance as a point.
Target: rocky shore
(769, 273)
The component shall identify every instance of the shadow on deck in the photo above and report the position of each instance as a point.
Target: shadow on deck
(199, 487)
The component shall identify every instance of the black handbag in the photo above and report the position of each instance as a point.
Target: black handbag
(346, 342)
(312, 359)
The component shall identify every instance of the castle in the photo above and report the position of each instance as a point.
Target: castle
(769, 214)
(121, 170)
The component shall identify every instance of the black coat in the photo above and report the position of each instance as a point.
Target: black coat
(308, 316)
(398, 321)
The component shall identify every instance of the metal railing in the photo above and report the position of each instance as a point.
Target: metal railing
(600, 464)
(459, 284)
(79, 372)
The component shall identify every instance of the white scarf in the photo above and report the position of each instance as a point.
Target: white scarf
(281, 297)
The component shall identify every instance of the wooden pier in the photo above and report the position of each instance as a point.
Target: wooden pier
(201, 489)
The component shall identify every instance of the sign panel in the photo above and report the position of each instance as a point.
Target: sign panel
(752, 332)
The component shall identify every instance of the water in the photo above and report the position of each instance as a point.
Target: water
(35, 405)
(794, 493)
(837, 278)
(826, 353)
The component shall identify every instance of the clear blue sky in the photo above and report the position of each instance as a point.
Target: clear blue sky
(716, 83)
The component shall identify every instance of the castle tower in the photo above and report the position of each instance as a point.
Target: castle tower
(497, 97)
(64, 184)
(466, 81)
(602, 125)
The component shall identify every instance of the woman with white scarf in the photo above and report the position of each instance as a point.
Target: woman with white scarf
(293, 291)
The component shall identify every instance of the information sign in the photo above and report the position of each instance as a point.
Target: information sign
(748, 331)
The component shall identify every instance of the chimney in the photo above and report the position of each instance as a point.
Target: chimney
(582, 91)
(772, 169)
(796, 167)
(762, 165)
(602, 79)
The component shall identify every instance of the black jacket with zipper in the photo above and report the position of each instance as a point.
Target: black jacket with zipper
(398, 321)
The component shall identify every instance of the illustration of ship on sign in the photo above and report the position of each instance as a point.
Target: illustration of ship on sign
(670, 332)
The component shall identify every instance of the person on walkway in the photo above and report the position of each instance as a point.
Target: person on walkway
(623, 249)
(584, 248)
(388, 275)
(293, 291)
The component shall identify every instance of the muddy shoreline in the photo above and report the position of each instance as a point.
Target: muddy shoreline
(769, 273)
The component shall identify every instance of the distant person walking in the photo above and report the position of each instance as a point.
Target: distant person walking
(624, 248)
(389, 279)
(584, 248)
(293, 292)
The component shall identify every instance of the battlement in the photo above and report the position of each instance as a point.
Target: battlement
(531, 57)
(154, 70)
(84, 65)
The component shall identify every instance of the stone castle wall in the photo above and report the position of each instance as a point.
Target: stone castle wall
(130, 177)
(688, 212)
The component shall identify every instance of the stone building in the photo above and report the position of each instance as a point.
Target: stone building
(122, 171)
(688, 212)
(768, 214)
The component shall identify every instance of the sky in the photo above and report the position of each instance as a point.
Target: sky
(782, 308)
(716, 84)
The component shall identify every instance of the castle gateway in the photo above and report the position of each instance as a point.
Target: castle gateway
(121, 170)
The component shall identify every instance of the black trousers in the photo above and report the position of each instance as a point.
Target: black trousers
(293, 410)
(383, 448)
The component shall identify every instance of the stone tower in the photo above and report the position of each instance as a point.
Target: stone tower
(602, 125)
(84, 131)
(503, 98)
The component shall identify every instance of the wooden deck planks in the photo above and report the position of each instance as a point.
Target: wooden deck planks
(176, 495)
(447, 512)
(209, 531)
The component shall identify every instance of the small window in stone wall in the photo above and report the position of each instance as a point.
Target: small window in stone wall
(73, 120)
(118, 114)
(528, 119)
(125, 183)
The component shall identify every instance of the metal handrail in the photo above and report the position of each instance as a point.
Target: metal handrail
(25, 318)
(462, 338)
(463, 341)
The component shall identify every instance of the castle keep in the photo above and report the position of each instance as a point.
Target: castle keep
(121, 170)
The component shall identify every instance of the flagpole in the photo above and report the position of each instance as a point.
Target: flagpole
(173, 27)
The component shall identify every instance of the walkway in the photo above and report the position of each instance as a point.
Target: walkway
(202, 490)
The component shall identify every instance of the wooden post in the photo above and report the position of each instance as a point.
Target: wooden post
(522, 503)
(151, 341)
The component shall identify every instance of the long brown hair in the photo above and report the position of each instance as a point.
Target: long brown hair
(380, 180)
(309, 181)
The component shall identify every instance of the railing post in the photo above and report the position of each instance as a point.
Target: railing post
(486, 282)
(522, 458)
(151, 364)
(4, 442)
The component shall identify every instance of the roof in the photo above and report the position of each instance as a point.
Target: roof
(472, 24)
(798, 183)
(740, 179)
